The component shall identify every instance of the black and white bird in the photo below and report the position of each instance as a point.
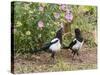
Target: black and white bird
(55, 44)
(76, 44)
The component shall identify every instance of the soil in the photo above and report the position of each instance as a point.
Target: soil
(41, 62)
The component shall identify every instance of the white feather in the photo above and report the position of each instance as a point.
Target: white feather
(56, 46)
(78, 45)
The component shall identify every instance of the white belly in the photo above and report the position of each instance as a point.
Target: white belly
(56, 46)
(78, 45)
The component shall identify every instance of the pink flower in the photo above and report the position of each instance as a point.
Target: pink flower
(69, 16)
(40, 24)
(41, 8)
(56, 15)
(63, 7)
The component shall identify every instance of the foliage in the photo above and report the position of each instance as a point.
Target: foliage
(36, 23)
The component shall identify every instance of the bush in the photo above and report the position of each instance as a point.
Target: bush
(36, 23)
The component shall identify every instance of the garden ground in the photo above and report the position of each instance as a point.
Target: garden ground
(41, 62)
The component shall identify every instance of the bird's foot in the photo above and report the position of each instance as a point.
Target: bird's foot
(52, 61)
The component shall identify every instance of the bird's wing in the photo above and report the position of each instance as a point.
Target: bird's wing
(47, 45)
(72, 43)
(53, 42)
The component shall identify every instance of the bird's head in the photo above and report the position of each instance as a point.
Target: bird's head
(77, 32)
(59, 33)
(78, 35)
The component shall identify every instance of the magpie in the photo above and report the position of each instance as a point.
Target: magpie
(76, 44)
(55, 44)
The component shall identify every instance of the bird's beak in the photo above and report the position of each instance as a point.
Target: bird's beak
(62, 27)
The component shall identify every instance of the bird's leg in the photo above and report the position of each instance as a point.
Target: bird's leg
(79, 57)
(72, 52)
(53, 56)
(73, 56)
(77, 53)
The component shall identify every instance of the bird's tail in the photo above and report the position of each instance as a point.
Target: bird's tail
(65, 47)
(44, 48)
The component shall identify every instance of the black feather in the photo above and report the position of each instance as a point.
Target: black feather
(70, 45)
(59, 35)
(78, 35)
(45, 47)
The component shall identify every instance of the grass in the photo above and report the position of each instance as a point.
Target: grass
(41, 62)
(61, 66)
(29, 67)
